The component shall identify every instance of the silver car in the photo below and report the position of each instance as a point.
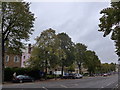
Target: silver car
(77, 76)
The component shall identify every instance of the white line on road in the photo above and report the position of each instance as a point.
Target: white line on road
(102, 87)
(45, 88)
(110, 83)
(76, 84)
(64, 86)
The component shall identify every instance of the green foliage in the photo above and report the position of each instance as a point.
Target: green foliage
(44, 51)
(50, 76)
(71, 68)
(53, 51)
(66, 49)
(17, 24)
(79, 52)
(105, 68)
(92, 62)
(110, 22)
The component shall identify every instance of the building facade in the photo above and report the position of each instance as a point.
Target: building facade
(26, 55)
(12, 60)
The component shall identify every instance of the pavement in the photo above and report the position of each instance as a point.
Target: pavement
(98, 83)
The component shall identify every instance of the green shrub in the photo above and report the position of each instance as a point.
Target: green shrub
(50, 76)
(8, 73)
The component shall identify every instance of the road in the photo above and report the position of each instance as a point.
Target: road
(86, 82)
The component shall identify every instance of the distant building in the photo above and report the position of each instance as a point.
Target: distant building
(26, 54)
(83, 70)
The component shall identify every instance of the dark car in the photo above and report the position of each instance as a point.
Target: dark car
(109, 74)
(23, 78)
(68, 76)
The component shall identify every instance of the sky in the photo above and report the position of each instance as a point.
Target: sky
(79, 20)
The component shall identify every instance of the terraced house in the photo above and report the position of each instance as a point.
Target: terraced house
(12, 60)
(17, 60)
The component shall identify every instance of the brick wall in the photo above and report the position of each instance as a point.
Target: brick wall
(11, 61)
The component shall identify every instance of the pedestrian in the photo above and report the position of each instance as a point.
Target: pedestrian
(14, 75)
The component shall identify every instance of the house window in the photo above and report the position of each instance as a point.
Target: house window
(16, 59)
(7, 58)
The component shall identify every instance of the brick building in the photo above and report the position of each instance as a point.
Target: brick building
(12, 60)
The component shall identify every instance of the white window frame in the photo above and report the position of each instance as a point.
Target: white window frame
(18, 59)
(7, 59)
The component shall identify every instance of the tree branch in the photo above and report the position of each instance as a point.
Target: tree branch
(7, 36)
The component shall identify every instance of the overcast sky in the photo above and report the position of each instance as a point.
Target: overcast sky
(79, 20)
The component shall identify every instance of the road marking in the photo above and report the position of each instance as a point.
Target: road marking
(64, 86)
(76, 84)
(102, 87)
(45, 88)
(110, 83)
(117, 85)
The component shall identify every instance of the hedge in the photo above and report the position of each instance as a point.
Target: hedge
(8, 73)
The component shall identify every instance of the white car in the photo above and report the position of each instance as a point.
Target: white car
(77, 76)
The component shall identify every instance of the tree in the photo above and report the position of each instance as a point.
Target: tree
(92, 62)
(105, 67)
(112, 66)
(79, 51)
(17, 25)
(44, 52)
(110, 22)
(71, 68)
(66, 46)
(36, 59)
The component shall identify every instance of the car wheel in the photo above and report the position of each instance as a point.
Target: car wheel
(21, 81)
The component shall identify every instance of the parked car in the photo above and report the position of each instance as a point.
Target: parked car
(77, 76)
(109, 74)
(105, 74)
(68, 76)
(72, 76)
(23, 78)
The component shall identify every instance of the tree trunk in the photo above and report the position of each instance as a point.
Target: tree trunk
(79, 66)
(45, 69)
(62, 69)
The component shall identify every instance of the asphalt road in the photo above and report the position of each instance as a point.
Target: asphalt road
(86, 82)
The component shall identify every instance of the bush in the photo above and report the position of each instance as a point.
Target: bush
(50, 76)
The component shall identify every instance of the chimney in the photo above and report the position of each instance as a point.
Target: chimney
(29, 48)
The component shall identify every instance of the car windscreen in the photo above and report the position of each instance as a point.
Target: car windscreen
(20, 76)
